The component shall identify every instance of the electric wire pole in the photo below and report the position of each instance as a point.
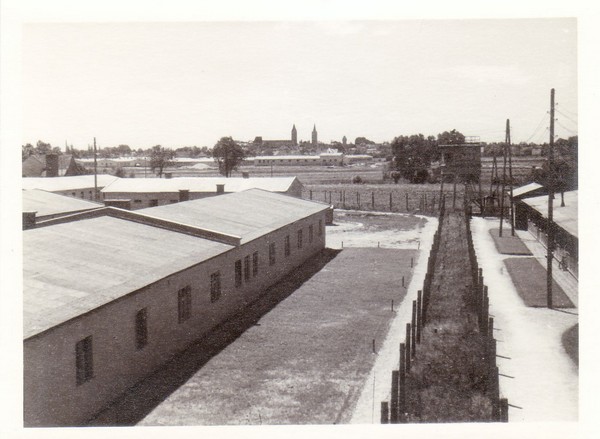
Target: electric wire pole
(95, 173)
(510, 179)
(503, 177)
(550, 184)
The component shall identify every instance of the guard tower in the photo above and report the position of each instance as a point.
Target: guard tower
(462, 161)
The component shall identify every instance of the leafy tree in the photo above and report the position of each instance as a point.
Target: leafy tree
(451, 138)
(26, 151)
(413, 156)
(161, 158)
(123, 150)
(228, 154)
(363, 141)
(120, 172)
(43, 148)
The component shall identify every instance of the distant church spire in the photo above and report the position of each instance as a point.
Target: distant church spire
(314, 135)
(294, 135)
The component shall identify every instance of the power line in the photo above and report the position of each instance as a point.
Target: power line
(539, 125)
(575, 122)
(574, 113)
(571, 131)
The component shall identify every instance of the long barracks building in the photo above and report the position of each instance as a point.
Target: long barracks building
(110, 295)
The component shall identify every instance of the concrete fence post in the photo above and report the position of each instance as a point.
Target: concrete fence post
(372, 200)
(413, 327)
(408, 342)
(394, 398)
(391, 208)
(419, 315)
(406, 201)
(385, 412)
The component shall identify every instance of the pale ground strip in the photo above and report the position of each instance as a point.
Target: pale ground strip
(537, 376)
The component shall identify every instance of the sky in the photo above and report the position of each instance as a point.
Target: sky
(191, 83)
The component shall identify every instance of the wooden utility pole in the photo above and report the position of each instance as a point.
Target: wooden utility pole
(510, 179)
(95, 173)
(550, 184)
(503, 177)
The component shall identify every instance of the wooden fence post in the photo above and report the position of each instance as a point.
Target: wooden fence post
(358, 200)
(372, 200)
(310, 192)
(406, 201)
(390, 201)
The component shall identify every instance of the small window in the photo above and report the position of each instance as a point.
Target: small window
(215, 286)
(300, 238)
(320, 231)
(184, 299)
(153, 203)
(141, 328)
(74, 194)
(247, 268)
(310, 234)
(137, 201)
(238, 272)
(272, 254)
(254, 264)
(103, 194)
(84, 361)
(286, 246)
(82, 194)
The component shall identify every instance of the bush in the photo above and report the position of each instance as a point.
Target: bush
(357, 179)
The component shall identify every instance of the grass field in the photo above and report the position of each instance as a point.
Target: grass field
(305, 362)
(529, 277)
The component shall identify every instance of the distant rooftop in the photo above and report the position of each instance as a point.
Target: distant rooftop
(248, 214)
(565, 217)
(49, 204)
(198, 184)
(522, 190)
(58, 184)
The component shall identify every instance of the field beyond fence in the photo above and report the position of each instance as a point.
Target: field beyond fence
(405, 198)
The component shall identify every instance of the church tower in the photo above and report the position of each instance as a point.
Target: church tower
(294, 135)
(314, 135)
(344, 140)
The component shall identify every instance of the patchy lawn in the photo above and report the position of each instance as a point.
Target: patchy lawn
(529, 277)
(509, 245)
(306, 361)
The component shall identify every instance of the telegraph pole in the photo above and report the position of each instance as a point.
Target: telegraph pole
(503, 176)
(95, 173)
(510, 178)
(550, 184)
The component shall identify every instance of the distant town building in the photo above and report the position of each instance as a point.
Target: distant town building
(344, 140)
(294, 135)
(314, 138)
(109, 295)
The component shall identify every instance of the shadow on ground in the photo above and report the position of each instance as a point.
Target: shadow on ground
(570, 341)
(140, 400)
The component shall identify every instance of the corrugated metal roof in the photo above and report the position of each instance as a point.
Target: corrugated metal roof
(198, 184)
(72, 268)
(47, 203)
(58, 184)
(521, 190)
(565, 217)
(248, 214)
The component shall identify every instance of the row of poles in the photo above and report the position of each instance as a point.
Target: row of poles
(395, 411)
(340, 199)
(480, 304)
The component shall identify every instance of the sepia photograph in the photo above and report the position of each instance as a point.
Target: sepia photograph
(344, 221)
